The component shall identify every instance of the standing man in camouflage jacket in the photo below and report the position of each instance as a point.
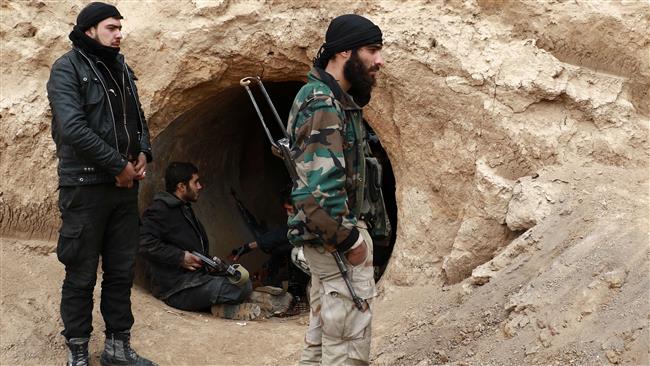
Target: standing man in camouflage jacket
(329, 148)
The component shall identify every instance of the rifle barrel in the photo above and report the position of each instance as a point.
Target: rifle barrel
(358, 302)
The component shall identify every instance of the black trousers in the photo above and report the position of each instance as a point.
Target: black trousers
(280, 258)
(97, 221)
(219, 290)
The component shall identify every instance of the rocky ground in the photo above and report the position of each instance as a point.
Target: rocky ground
(573, 290)
(517, 133)
(31, 278)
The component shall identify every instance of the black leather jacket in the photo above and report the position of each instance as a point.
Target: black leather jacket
(83, 124)
(169, 228)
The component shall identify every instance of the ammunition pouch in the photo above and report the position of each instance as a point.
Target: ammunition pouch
(373, 209)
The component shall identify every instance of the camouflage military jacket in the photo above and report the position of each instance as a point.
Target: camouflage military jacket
(327, 137)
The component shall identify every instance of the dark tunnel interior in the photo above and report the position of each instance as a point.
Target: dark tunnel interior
(224, 138)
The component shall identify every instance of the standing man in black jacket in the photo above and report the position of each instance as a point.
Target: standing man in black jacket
(170, 233)
(102, 143)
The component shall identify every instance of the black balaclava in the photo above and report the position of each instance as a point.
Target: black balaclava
(89, 17)
(348, 32)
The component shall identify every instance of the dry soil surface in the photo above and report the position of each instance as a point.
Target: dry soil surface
(572, 290)
(31, 291)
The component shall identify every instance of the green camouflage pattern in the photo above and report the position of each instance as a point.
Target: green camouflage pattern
(327, 138)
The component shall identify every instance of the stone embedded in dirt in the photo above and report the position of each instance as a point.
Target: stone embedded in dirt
(475, 243)
(482, 231)
(467, 288)
(545, 338)
(612, 356)
(615, 278)
(25, 29)
(531, 202)
(515, 322)
(615, 343)
(494, 192)
(441, 355)
(479, 280)
(531, 349)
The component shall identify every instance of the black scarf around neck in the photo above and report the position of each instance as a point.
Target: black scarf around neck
(81, 40)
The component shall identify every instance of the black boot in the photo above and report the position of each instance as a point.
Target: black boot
(77, 351)
(118, 352)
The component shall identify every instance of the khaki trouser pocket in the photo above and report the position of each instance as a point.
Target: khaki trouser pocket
(340, 318)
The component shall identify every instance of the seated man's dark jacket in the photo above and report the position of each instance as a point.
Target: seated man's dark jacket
(169, 228)
(83, 123)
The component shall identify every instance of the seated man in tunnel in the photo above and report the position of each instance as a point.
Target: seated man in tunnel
(274, 243)
(169, 234)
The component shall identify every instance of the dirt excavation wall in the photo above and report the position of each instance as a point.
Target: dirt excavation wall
(517, 132)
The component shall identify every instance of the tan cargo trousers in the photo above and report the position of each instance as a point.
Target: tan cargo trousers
(338, 333)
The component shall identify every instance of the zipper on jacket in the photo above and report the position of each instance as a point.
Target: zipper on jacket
(196, 229)
(137, 106)
(110, 106)
(123, 98)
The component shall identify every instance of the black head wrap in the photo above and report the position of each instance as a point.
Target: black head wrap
(347, 32)
(89, 17)
(94, 13)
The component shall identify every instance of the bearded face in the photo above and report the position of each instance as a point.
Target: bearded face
(189, 192)
(361, 76)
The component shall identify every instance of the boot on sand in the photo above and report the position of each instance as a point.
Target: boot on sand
(273, 301)
(77, 351)
(118, 351)
(243, 311)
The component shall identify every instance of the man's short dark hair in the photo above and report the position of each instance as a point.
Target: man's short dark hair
(178, 172)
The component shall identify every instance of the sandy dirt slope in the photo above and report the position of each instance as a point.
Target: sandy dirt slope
(572, 290)
(30, 284)
(517, 132)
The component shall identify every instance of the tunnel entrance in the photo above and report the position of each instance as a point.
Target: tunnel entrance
(224, 139)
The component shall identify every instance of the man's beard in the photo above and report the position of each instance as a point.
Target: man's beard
(91, 45)
(361, 82)
(190, 195)
(193, 196)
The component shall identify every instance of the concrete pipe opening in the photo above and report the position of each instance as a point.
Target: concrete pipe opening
(223, 137)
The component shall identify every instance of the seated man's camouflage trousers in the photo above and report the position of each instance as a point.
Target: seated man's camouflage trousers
(338, 334)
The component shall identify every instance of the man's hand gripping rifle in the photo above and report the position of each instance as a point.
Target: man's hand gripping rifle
(235, 273)
(282, 149)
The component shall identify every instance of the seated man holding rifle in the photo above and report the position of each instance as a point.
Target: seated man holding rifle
(175, 245)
